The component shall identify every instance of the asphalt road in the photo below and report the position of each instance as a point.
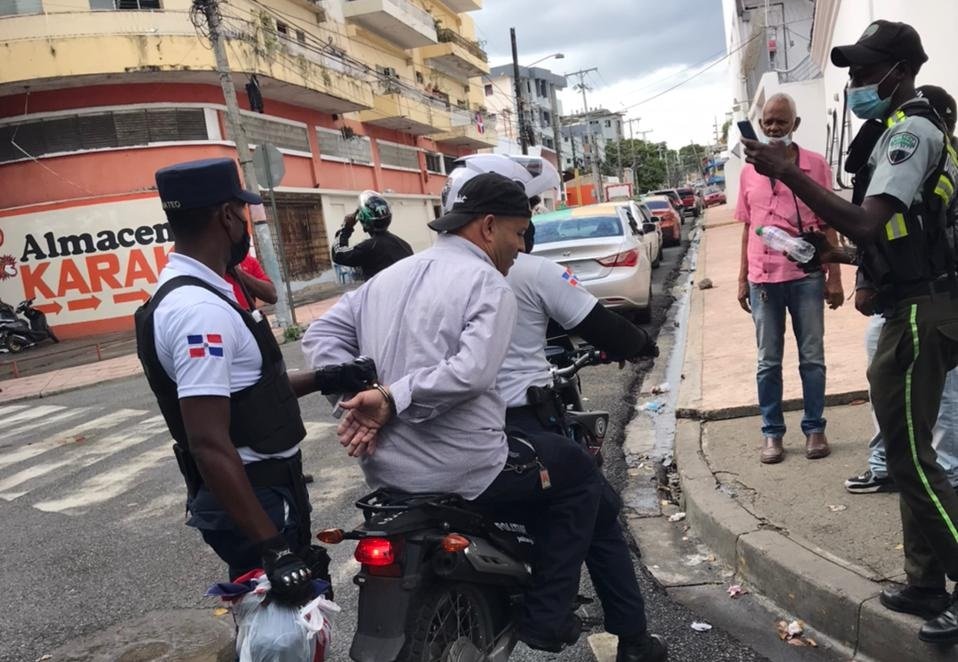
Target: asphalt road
(92, 508)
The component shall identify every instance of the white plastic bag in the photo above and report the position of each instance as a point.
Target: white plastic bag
(281, 633)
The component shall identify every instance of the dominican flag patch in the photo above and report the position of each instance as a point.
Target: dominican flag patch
(200, 346)
(570, 277)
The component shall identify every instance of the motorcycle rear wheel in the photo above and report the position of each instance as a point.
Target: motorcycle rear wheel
(15, 345)
(444, 614)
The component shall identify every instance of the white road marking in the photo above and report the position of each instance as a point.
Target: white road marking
(83, 457)
(33, 412)
(9, 409)
(67, 437)
(9, 432)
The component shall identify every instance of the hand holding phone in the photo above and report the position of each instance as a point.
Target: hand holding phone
(746, 130)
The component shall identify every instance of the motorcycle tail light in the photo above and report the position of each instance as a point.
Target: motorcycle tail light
(376, 552)
(454, 543)
(331, 536)
(629, 258)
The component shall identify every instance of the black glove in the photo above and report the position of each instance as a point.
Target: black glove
(289, 577)
(351, 377)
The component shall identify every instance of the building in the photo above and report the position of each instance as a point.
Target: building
(356, 94)
(579, 130)
(538, 87)
(817, 85)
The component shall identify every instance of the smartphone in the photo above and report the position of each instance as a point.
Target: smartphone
(747, 130)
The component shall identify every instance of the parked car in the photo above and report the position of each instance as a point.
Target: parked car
(714, 196)
(691, 202)
(670, 218)
(673, 195)
(651, 229)
(602, 252)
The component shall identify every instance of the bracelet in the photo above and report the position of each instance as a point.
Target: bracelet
(389, 397)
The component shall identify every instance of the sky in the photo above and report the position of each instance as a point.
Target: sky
(640, 47)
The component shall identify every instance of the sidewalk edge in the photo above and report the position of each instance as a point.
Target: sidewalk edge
(835, 601)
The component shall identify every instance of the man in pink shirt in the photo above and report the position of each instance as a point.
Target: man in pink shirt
(770, 284)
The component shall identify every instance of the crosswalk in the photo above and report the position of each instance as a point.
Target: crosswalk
(72, 460)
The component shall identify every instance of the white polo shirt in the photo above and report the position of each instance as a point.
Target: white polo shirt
(202, 342)
(543, 289)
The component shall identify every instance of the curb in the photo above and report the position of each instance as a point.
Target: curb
(835, 601)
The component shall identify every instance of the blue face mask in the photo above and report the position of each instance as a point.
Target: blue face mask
(865, 101)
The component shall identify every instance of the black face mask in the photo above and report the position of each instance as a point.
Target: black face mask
(239, 249)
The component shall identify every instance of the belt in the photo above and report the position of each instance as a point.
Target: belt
(944, 285)
(275, 472)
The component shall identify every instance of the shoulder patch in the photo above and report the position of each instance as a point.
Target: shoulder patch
(901, 146)
(569, 277)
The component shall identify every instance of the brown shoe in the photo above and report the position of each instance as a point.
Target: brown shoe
(772, 453)
(816, 446)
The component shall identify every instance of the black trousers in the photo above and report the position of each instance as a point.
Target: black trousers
(917, 347)
(574, 520)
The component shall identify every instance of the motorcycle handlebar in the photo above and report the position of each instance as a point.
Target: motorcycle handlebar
(589, 357)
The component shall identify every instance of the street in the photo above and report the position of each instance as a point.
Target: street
(92, 503)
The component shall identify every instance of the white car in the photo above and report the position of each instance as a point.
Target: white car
(651, 230)
(605, 253)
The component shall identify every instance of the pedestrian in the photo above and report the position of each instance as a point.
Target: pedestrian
(901, 226)
(382, 249)
(770, 284)
(221, 384)
(250, 283)
(875, 479)
(438, 326)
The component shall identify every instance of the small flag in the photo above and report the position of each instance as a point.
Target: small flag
(201, 346)
(570, 277)
(480, 124)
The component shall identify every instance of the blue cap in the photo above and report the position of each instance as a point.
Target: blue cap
(203, 183)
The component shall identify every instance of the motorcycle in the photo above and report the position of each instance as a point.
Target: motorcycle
(17, 334)
(442, 579)
(588, 428)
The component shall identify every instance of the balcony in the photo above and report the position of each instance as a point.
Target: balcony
(461, 6)
(393, 110)
(398, 21)
(75, 49)
(456, 56)
(465, 131)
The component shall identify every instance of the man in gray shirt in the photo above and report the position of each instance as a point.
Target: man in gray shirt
(438, 325)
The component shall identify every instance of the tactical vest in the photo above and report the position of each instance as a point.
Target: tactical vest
(913, 249)
(265, 416)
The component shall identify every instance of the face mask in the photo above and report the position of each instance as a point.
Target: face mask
(769, 140)
(865, 101)
(239, 249)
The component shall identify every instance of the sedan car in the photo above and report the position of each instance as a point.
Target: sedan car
(714, 197)
(673, 195)
(670, 218)
(651, 230)
(603, 254)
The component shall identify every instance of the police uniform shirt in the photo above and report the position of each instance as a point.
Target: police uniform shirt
(202, 343)
(543, 289)
(905, 156)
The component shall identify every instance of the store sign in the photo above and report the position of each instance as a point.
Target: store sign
(84, 263)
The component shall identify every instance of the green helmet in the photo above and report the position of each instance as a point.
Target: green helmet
(373, 213)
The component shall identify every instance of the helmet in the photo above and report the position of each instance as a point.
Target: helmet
(373, 213)
(534, 173)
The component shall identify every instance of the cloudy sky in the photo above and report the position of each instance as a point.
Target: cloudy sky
(640, 47)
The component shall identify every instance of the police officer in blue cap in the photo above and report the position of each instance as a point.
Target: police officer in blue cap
(221, 384)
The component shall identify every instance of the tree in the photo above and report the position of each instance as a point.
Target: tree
(645, 157)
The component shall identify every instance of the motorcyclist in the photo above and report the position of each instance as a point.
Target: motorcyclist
(382, 249)
(543, 291)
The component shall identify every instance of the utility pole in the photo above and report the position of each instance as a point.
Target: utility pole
(520, 110)
(557, 136)
(635, 175)
(267, 251)
(593, 147)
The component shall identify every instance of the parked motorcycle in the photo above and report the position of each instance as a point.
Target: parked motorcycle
(442, 579)
(16, 333)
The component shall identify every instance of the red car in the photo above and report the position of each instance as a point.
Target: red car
(714, 197)
(690, 201)
(670, 219)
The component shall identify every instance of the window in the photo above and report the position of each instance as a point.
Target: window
(449, 163)
(529, 86)
(14, 7)
(88, 131)
(546, 117)
(488, 89)
(608, 124)
(260, 130)
(282, 28)
(301, 37)
(434, 162)
(332, 144)
(419, 78)
(123, 5)
(542, 88)
(398, 156)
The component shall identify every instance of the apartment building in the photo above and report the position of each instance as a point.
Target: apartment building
(541, 106)
(581, 130)
(98, 94)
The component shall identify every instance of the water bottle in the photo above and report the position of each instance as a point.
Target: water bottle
(777, 239)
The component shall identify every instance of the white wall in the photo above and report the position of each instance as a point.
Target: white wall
(410, 216)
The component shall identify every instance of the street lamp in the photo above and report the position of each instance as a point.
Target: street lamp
(558, 56)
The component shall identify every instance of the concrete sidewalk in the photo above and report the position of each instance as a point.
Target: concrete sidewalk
(790, 531)
(121, 367)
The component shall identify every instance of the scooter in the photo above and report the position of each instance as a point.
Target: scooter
(442, 579)
(17, 334)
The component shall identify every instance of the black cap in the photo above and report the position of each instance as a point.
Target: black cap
(942, 102)
(204, 183)
(883, 41)
(488, 193)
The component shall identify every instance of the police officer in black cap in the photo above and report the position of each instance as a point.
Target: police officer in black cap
(906, 186)
(221, 384)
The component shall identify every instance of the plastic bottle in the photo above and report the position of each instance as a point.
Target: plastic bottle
(777, 239)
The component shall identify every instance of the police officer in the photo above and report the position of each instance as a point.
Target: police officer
(221, 384)
(382, 249)
(900, 230)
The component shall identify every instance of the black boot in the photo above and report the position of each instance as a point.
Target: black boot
(567, 637)
(924, 602)
(644, 648)
(943, 629)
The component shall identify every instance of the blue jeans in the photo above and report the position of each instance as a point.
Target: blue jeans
(804, 299)
(945, 439)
